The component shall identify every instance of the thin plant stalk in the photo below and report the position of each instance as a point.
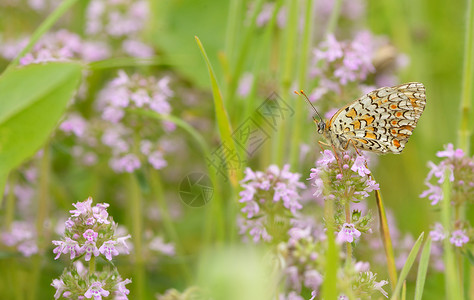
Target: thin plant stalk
(41, 217)
(451, 275)
(157, 188)
(329, 288)
(242, 54)
(302, 81)
(135, 201)
(387, 241)
(336, 11)
(235, 11)
(465, 126)
(288, 71)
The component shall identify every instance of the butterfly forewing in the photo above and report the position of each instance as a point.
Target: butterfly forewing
(383, 120)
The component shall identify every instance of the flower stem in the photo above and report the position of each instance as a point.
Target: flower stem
(135, 201)
(451, 276)
(464, 131)
(41, 217)
(334, 17)
(92, 265)
(168, 225)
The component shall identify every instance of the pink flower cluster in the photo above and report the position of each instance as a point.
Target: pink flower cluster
(61, 45)
(97, 286)
(273, 192)
(459, 169)
(90, 232)
(351, 173)
(21, 235)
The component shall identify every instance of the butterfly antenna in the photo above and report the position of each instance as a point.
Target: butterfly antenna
(309, 102)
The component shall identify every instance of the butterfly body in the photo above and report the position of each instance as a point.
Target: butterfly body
(380, 121)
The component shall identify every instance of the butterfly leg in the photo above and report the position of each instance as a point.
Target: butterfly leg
(321, 144)
(353, 144)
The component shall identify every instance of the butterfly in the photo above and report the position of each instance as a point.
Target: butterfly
(381, 121)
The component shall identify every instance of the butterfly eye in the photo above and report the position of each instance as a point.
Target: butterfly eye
(321, 127)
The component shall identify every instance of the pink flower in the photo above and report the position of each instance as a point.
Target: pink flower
(95, 290)
(121, 290)
(437, 234)
(359, 166)
(312, 279)
(327, 158)
(75, 124)
(347, 233)
(82, 208)
(90, 235)
(159, 245)
(459, 238)
(90, 249)
(58, 284)
(434, 193)
(449, 152)
(108, 249)
(156, 160)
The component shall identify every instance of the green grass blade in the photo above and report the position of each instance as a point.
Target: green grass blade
(406, 268)
(223, 122)
(422, 269)
(122, 62)
(43, 28)
(387, 241)
(404, 290)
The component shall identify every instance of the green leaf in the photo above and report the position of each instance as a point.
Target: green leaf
(408, 264)
(223, 121)
(32, 99)
(422, 269)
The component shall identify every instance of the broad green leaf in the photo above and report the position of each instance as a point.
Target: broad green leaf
(408, 264)
(32, 99)
(422, 269)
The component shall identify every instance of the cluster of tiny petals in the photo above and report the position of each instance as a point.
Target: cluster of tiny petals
(355, 174)
(276, 190)
(134, 91)
(82, 285)
(22, 235)
(339, 63)
(459, 169)
(116, 18)
(89, 231)
(129, 92)
(57, 46)
(458, 237)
